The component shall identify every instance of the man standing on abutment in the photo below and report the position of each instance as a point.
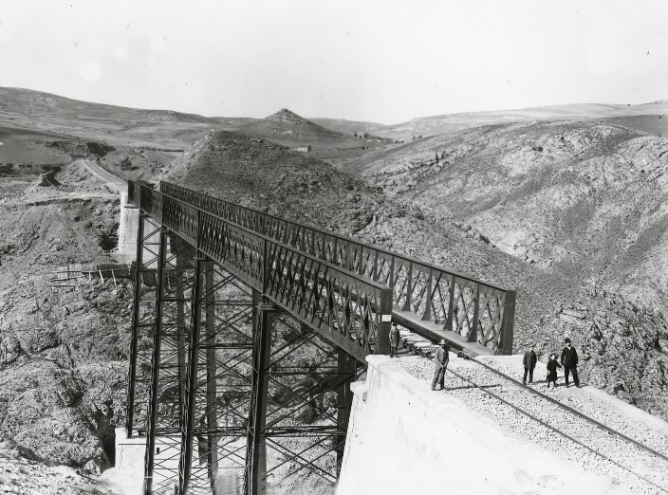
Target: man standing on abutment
(441, 360)
(569, 359)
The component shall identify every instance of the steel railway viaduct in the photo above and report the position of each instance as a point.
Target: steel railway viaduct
(249, 329)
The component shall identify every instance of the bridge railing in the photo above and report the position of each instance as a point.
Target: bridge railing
(477, 311)
(350, 310)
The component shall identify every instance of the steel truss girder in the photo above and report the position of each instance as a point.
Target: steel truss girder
(477, 311)
(351, 310)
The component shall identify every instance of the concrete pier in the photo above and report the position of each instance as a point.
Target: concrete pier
(127, 231)
(127, 476)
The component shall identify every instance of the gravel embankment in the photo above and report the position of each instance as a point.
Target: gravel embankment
(630, 465)
(632, 424)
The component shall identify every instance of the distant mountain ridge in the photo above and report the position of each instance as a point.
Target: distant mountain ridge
(349, 126)
(287, 125)
(442, 124)
(32, 103)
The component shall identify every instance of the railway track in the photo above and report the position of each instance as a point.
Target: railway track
(631, 458)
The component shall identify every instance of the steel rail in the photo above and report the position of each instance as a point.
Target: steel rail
(478, 360)
(574, 411)
(565, 407)
(562, 433)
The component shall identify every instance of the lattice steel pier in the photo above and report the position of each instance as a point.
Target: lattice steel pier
(248, 331)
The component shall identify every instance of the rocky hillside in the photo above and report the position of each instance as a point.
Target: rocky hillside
(63, 350)
(581, 201)
(19, 475)
(551, 304)
(257, 172)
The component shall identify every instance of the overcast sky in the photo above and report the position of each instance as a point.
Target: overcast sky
(382, 60)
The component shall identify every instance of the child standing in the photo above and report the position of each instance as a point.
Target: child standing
(552, 366)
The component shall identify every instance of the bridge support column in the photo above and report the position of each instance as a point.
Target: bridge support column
(301, 403)
(347, 368)
(181, 330)
(507, 325)
(211, 379)
(166, 370)
(143, 322)
(220, 351)
(132, 374)
(188, 425)
(149, 461)
(256, 456)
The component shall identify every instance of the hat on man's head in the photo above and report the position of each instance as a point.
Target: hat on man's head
(442, 342)
(568, 341)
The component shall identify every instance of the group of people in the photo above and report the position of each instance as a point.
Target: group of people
(569, 361)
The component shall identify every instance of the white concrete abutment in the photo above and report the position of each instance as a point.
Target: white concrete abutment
(405, 439)
(127, 231)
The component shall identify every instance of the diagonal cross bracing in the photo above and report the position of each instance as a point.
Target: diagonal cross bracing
(430, 291)
(343, 306)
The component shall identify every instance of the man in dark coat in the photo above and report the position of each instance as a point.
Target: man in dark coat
(569, 359)
(530, 360)
(441, 360)
(394, 340)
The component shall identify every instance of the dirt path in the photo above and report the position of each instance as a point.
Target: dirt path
(114, 182)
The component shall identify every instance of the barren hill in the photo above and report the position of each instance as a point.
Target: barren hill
(442, 124)
(258, 172)
(19, 101)
(288, 126)
(289, 129)
(654, 124)
(350, 126)
(551, 303)
(580, 198)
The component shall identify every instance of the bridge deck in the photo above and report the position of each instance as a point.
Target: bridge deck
(434, 333)
(476, 310)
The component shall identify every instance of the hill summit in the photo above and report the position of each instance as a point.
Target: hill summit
(286, 125)
(287, 117)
